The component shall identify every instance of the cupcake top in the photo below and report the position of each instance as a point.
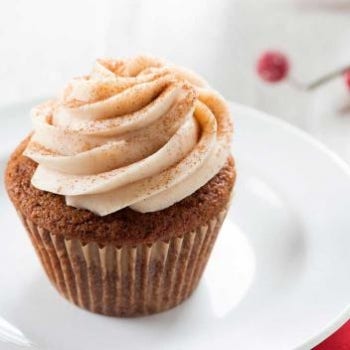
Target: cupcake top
(138, 132)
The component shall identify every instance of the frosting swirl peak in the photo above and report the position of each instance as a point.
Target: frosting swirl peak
(138, 133)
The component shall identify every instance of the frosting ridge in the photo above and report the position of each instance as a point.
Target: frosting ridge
(137, 132)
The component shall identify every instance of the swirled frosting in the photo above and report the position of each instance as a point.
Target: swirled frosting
(138, 133)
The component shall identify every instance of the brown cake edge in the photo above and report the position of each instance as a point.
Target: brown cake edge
(126, 226)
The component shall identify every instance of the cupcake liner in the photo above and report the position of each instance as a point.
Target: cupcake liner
(125, 280)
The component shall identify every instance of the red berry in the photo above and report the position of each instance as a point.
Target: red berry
(272, 66)
(347, 78)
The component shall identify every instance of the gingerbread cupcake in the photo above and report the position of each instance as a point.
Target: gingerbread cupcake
(124, 184)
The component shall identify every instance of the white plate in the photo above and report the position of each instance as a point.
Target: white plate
(279, 277)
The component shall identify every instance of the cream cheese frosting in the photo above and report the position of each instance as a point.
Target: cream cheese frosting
(139, 133)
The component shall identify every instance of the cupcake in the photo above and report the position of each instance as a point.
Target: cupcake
(124, 183)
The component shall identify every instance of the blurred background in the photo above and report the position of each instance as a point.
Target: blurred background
(44, 43)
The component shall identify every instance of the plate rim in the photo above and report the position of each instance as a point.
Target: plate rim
(344, 315)
(270, 119)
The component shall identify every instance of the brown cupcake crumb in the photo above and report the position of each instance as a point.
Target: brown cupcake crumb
(49, 211)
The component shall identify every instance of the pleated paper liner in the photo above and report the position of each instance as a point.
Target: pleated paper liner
(125, 281)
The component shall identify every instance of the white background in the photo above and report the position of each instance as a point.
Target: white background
(44, 43)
